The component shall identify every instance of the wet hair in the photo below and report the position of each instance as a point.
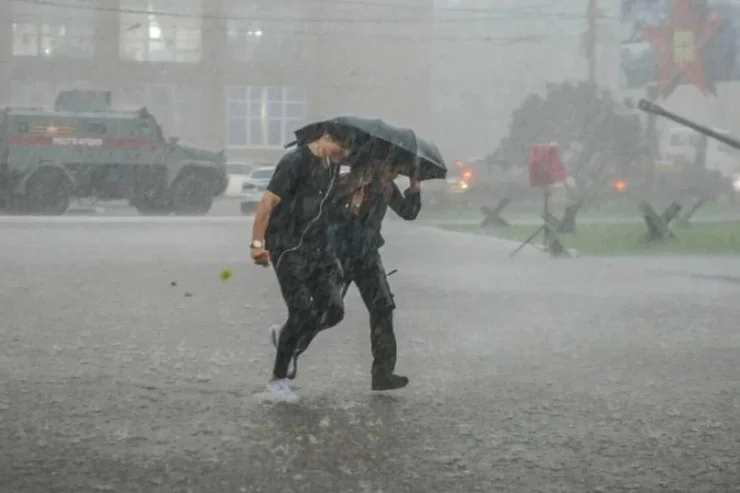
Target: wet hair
(340, 134)
(375, 150)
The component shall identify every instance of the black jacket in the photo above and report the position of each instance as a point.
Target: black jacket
(356, 237)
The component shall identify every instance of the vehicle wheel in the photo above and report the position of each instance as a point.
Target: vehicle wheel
(48, 192)
(191, 196)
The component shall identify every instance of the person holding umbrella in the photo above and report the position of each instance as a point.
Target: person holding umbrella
(355, 235)
(287, 233)
(355, 218)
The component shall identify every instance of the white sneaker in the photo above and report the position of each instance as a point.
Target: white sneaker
(281, 390)
(275, 330)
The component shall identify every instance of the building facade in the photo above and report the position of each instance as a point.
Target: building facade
(233, 74)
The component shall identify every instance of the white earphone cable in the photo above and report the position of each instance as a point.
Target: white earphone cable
(334, 173)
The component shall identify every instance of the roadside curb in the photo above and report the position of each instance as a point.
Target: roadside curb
(488, 238)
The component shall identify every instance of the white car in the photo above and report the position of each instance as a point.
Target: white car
(253, 188)
(238, 172)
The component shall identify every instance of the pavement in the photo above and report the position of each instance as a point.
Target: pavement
(222, 207)
(127, 365)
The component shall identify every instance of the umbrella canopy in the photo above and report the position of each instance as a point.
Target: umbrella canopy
(423, 160)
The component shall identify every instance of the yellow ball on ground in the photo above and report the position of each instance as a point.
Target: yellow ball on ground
(225, 275)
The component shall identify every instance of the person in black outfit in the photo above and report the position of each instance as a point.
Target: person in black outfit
(355, 217)
(288, 233)
(358, 240)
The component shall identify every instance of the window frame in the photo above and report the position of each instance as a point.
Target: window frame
(181, 36)
(43, 32)
(261, 98)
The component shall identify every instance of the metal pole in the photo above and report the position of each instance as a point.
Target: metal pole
(651, 139)
(591, 40)
(547, 240)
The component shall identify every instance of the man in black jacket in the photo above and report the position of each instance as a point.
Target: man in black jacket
(289, 233)
(355, 218)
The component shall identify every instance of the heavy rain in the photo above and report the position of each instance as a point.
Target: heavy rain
(192, 195)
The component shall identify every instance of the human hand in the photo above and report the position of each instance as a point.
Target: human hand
(414, 185)
(260, 256)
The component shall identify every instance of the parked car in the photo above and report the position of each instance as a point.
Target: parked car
(442, 192)
(253, 188)
(238, 172)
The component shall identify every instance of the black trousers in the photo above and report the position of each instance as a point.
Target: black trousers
(309, 282)
(372, 283)
(369, 276)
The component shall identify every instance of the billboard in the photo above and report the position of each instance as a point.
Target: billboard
(667, 43)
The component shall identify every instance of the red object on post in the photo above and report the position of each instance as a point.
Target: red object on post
(545, 166)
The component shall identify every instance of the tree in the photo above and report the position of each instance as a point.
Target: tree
(597, 141)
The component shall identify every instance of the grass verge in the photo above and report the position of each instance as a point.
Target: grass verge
(529, 211)
(628, 239)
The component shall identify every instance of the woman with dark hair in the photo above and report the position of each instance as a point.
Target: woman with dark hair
(355, 217)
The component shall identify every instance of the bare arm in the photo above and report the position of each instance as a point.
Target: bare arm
(262, 216)
(282, 184)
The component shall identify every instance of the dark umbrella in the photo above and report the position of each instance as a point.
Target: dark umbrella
(424, 160)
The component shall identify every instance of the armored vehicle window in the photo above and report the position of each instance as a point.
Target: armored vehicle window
(147, 127)
(142, 129)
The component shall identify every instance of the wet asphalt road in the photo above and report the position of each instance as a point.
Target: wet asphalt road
(527, 375)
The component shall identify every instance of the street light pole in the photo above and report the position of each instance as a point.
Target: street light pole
(591, 40)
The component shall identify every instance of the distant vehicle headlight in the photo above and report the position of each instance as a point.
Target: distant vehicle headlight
(620, 185)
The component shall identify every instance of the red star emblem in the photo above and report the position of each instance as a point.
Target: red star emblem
(681, 45)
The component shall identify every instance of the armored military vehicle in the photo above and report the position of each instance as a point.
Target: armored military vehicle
(84, 148)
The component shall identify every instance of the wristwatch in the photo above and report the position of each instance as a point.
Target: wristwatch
(257, 244)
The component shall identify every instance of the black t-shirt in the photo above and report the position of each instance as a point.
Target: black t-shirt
(302, 181)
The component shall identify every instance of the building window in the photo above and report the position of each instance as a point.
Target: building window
(161, 30)
(250, 40)
(264, 116)
(52, 31)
